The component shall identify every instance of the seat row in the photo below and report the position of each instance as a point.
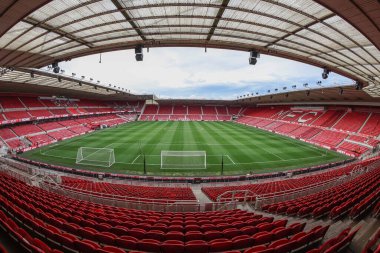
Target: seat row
(355, 196)
(128, 191)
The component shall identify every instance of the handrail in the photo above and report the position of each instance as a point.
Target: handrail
(129, 198)
(233, 192)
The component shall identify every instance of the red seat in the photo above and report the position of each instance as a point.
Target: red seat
(174, 235)
(212, 235)
(137, 233)
(86, 246)
(106, 238)
(259, 249)
(127, 242)
(110, 249)
(41, 245)
(149, 245)
(249, 230)
(155, 234)
(197, 246)
(242, 242)
(193, 235)
(173, 246)
(219, 245)
(231, 233)
(262, 238)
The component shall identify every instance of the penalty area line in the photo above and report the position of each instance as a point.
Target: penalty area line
(133, 162)
(230, 159)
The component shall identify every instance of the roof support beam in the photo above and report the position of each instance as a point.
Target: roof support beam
(16, 10)
(300, 29)
(57, 31)
(128, 18)
(217, 18)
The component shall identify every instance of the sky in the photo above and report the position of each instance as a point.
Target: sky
(193, 73)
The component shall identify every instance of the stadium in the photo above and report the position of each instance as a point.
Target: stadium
(90, 166)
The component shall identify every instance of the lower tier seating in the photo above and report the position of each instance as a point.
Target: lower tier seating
(66, 224)
(283, 185)
(336, 201)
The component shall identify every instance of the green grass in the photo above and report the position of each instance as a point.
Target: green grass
(244, 149)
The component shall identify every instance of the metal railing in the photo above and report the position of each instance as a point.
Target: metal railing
(143, 204)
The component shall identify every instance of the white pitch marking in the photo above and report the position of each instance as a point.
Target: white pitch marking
(136, 159)
(230, 159)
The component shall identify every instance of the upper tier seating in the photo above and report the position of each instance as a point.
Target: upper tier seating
(234, 110)
(282, 185)
(24, 130)
(59, 111)
(125, 191)
(165, 109)
(180, 109)
(151, 109)
(194, 110)
(337, 201)
(89, 227)
(328, 119)
(40, 113)
(372, 127)
(221, 110)
(209, 110)
(31, 102)
(16, 115)
(352, 121)
(11, 103)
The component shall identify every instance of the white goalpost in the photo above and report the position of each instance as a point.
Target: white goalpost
(183, 160)
(103, 157)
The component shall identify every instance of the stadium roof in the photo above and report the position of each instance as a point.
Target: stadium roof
(341, 35)
(44, 82)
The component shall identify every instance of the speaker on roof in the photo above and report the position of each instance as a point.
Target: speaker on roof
(139, 57)
(139, 49)
(252, 61)
(254, 54)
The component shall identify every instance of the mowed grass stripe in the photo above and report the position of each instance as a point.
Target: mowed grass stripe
(248, 147)
(241, 137)
(243, 153)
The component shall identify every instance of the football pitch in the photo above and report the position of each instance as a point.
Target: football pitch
(229, 147)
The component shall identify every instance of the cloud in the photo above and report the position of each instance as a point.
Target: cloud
(190, 72)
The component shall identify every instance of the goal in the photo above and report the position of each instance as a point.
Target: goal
(183, 159)
(103, 157)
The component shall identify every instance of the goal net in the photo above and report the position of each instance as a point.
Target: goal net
(103, 157)
(183, 159)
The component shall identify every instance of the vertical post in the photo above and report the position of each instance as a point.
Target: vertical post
(222, 172)
(144, 165)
